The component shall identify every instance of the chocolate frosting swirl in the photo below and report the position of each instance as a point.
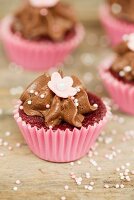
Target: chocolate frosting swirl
(122, 9)
(39, 100)
(124, 63)
(51, 23)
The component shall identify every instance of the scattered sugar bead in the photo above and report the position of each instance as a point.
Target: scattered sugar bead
(79, 162)
(90, 187)
(99, 169)
(36, 93)
(122, 186)
(86, 186)
(117, 169)
(18, 182)
(127, 164)
(42, 96)
(132, 172)
(47, 106)
(117, 186)
(72, 163)
(5, 144)
(87, 175)
(29, 102)
(63, 198)
(7, 133)
(50, 127)
(1, 154)
(15, 188)
(43, 11)
(122, 177)
(127, 170)
(122, 167)
(128, 178)
(92, 183)
(106, 186)
(18, 145)
(10, 148)
(66, 187)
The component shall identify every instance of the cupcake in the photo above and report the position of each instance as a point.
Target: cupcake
(117, 17)
(41, 34)
(118, 74)
(58, 118)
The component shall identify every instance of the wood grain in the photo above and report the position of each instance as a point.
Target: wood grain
(41, 180)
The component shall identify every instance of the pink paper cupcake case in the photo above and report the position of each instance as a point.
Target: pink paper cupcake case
(114, 28)
(60, 146)
(37, 56)
(121, 93)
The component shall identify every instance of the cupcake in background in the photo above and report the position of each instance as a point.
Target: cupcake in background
(58, 118)
(118, 74)
(117, 17)
(41, 34)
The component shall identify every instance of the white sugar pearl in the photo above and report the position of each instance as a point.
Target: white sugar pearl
(90, 188)
(116, 8)
(95, 105)
(31, 91)
(63, 198)
(66, 187)
(29, 102)
(42, 96)
(121, 186)
(36, 93)
(18, 182)
(106, 186)
(21, 107)
(47, 106)
(121, 73)
(117, 186)
(127, 69)
(15, 188)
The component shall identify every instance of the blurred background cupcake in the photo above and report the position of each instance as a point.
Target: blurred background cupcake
(118, 75)
(117, 17)
(41, 34)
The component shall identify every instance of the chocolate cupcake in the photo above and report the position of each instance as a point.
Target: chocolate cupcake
(59, 119)
(118, 18)
(118, 74)
(41, 34)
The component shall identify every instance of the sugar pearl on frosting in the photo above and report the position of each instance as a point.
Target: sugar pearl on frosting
(43, 11)
(95, 105)
(31, 91)
(127, 69)
(29, 102)
(36, 93)
(75, 100)
(116, 8)
(121, 73)
(21, 107)
(47, 106)
(42, 96)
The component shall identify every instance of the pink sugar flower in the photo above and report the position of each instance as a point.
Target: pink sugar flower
(62, 87)
(43, 3)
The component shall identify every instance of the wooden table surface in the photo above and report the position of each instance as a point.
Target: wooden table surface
(41, 180)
